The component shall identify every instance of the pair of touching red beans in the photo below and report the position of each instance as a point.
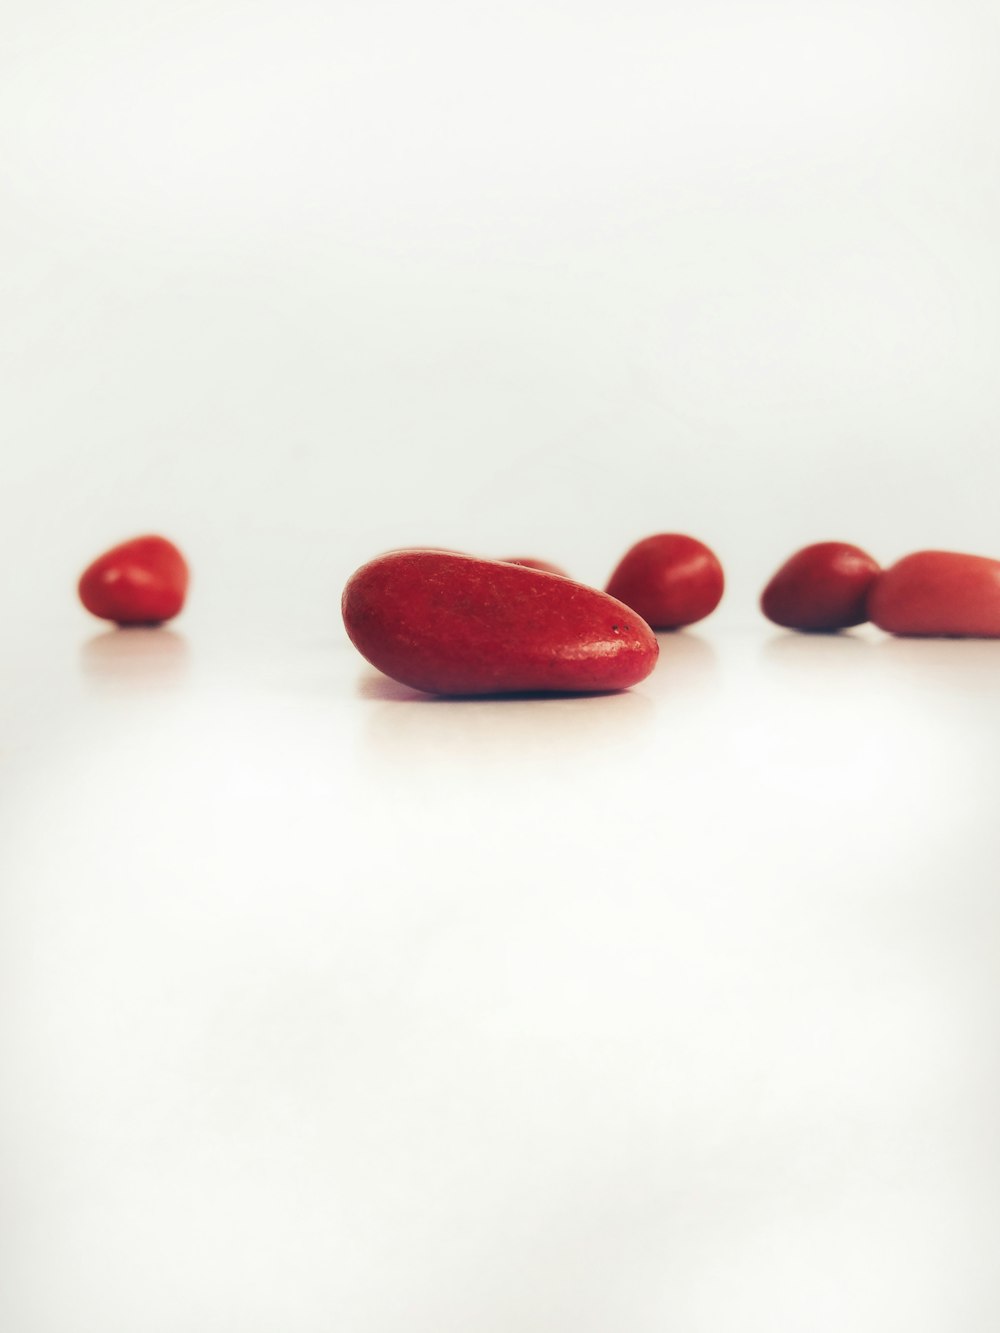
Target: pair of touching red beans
(450, 623)
(832, 586)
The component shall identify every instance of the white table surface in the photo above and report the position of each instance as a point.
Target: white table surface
(327, 1005)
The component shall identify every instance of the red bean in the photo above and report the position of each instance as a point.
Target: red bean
(140, 582)
(454, 624)
(938, 593)
(670, 580)
(821, 587)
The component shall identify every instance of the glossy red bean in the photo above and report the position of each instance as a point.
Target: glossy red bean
(823, 587)
(670, 580)
(529, 563)
(454, 624)
(941, 593)
(140, 582)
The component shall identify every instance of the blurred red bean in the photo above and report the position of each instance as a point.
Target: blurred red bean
(941, 593)
(823, 587)
(140, 582)
(671, 580)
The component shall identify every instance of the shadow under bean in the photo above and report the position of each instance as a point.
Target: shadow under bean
(135, 658)
(407, 730)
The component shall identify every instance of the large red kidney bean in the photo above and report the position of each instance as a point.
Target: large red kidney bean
(938, 593)
(823, 587)
(530, 563)
(455, 624)
(670, 580)
(139, 582)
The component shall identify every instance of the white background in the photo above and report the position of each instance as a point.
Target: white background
(328, 1007)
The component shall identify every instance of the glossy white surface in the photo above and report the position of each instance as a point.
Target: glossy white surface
(326, 1001)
